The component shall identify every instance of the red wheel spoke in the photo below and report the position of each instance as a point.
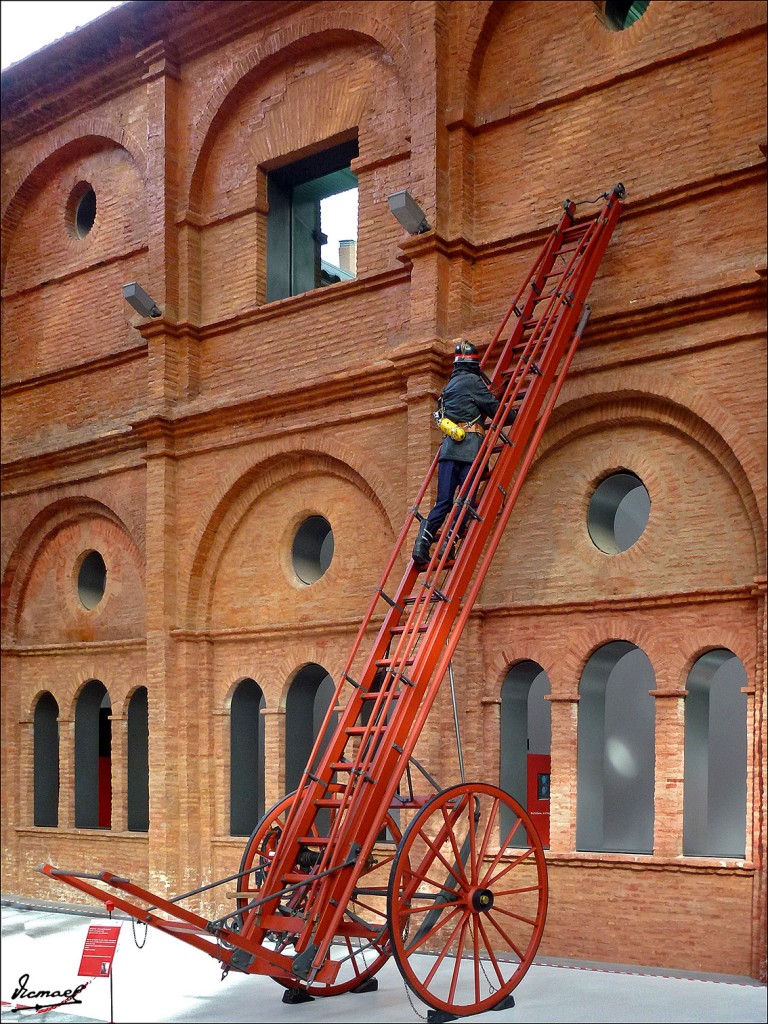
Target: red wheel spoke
(507, 938)
(442, 955)
(491, 954)
(442, 939)
(439, 856)
(518, 917)
(472, 850)
(428, 908)
(417, 944)
(488, 831)
(457, 960)
(518, 891)
(526, 855)
(456, 851)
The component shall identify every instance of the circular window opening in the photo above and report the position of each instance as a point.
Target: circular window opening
(618, 513)
(312, 549)
(81, 209)
(91, 580)
(618, 15)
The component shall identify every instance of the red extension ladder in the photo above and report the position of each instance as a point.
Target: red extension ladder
(329, 887)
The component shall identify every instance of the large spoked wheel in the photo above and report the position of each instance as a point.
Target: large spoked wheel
(467, 899)
(362, 944)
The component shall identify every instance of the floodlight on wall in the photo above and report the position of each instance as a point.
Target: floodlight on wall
(408, 212)
(136, 297)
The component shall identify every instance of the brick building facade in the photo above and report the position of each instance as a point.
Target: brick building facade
(187, 451)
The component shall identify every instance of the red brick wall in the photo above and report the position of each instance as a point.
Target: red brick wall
(188, 450)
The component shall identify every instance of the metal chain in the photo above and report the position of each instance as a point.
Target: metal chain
(408, 994)
(133, 929)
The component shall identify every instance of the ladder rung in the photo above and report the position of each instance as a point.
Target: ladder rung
(359, 730)
(435, 596)
(387, 662)
(399, 630)
(313, 840)
(376, 695)
(327, 801)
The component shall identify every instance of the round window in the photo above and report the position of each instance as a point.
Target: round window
(618, 15)
(618, 512)
(91, 580)
(81, 209)
(312, 549)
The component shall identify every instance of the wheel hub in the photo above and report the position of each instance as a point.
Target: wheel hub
(482, 900)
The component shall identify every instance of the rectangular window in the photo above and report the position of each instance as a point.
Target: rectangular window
(312, 222)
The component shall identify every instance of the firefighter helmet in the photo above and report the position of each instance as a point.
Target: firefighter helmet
(466, 353)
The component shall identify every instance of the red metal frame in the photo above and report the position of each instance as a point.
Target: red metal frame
(387, 694)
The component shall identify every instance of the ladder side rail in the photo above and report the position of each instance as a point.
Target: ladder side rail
(565, 315)
(573, 260)
(495, 538)
(373, 739)
(546, 255)
(401, 728)
(513, 387)
(303, 810)
(554, 303)
(529, 351)
(298, 817)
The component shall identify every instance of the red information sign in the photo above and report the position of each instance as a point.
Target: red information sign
(99, 950)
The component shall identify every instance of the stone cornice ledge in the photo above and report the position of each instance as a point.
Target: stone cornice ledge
(647, 862)
(745, 592)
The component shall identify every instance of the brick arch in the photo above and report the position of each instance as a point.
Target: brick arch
(244, 484)
(41, 691)
(125, 699)
(92, 134)
(479, 30)
(38, 532)
(712, 636)
(700, 419)
(607, 630)
(499, 667)
(291, 664)
(225, 703)
(74, 688)
(484, 20)
(335, 26)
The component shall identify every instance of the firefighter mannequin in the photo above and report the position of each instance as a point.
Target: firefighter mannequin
(467, 400)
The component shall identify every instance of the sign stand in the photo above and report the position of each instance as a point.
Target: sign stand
(99, 953)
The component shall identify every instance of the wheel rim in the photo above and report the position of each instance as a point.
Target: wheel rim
(362, 943)
(467, 910)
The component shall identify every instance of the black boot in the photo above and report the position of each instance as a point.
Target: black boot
(424, 539)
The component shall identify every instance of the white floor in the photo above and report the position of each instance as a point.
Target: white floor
(167, 980)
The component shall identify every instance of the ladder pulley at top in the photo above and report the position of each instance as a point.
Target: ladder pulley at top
(329, 887)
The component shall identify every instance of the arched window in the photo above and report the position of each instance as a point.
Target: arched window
(616, 736)
(309, 698)
(93, 757)
(524, 746)
(138, 762)
(715, 787)
(46, 761)
(246, 765)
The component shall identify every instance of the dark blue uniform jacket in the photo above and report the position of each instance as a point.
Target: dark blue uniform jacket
(466, 398)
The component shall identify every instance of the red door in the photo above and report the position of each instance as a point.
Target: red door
(538, 793)
(105, 792)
